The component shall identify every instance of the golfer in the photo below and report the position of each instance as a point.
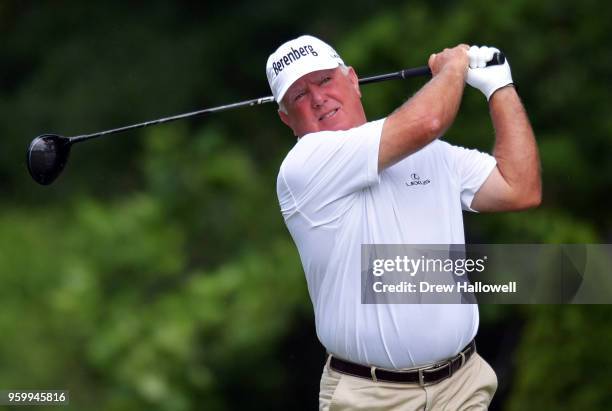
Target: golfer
(347, 182)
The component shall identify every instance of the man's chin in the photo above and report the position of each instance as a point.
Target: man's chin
(335, 123)
(337, 126)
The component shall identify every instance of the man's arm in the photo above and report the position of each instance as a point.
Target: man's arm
(430, 112)
(515, 183)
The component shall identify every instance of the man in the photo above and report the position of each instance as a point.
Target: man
(344, 184)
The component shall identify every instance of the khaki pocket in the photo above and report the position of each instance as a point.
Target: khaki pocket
(492, 381)
(330, 380)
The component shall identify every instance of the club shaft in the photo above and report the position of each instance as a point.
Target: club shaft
(253, 102)
(398, 75)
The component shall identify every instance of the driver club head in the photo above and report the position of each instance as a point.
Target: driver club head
(47, 157)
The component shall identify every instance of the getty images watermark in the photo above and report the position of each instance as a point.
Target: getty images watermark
(456, 266)
(486, 273)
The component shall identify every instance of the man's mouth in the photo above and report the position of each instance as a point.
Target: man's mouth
(329, 114)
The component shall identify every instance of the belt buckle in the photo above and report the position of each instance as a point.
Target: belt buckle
(422, 382)
(421, 379)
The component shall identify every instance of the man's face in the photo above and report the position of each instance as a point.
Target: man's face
(324, 100)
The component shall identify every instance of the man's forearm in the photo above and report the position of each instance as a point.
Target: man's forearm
(423, 118)
(515, 149)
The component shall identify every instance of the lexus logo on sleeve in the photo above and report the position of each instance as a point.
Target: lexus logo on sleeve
(416, 181)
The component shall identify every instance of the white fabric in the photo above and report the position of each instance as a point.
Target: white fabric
(297, 58)
(333, 200)
(487, 79)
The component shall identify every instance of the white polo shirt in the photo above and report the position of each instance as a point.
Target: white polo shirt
(333, 200)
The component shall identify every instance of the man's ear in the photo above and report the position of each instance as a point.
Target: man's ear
(354, 80)
(285, 119)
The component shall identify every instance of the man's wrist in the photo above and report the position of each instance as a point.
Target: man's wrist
(508, 88)
(456, 71)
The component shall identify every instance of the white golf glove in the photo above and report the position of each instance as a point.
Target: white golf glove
(487, 79)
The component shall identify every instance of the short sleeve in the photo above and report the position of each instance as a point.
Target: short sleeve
(471, 168)
(325, 169)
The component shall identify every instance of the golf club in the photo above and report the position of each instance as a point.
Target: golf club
(48, 154)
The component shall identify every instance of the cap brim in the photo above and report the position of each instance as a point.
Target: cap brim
(301, 70)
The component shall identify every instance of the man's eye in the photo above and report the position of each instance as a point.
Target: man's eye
(299, 96)
(326, 80)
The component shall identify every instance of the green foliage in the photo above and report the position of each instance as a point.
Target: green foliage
(562, 363)
(156, 273)
(124, 306)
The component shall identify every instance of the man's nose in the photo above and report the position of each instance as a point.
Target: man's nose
(317, 97)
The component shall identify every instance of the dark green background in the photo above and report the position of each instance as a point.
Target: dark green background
(157, 274)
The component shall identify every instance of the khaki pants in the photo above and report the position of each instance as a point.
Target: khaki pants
(470, 388)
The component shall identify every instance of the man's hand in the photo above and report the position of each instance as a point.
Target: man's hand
(487, 79)
(450, 59)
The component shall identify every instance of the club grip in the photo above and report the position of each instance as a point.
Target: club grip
(498, 59)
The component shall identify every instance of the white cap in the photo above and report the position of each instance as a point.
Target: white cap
(296, 58)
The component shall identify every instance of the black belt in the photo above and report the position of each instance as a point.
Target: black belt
(427, 375)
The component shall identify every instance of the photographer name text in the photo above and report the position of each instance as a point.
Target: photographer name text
(426, 287)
